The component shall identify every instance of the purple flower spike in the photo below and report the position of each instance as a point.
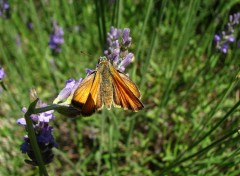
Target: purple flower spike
(5, 8)
(227, 37)
(2, 73)
(118, 43)
(43, 134)
(56, 38)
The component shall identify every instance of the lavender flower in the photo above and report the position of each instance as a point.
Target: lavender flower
(43, 134)
(30, 25)
(4, 8)
(2, 73)
(70, 86)
(65, 96)
(226, 37)
(118, 43)
(56, 38)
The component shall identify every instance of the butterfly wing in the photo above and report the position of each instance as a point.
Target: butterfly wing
(125, 92)
(130, 84)
(87, 96)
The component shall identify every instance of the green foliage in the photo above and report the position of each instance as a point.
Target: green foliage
(189, 125)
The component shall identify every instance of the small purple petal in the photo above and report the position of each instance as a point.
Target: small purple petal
(45, 136)
(25, 147)
(126, 38)
(43, 118)
(22, 121)
(76, 85)
(126, 61)
(2, 73)
(217, 38)
(231, 38)
(89, 71)
(224, 48)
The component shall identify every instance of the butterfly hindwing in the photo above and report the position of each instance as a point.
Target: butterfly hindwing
(125, 92)
(131, 85)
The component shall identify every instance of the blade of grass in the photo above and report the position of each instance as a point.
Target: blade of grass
(147, 16)
(178, 161)
(99, 153)
(185, 34)
(205, 120)
(119, 13)
(202, 151)
(153, 42)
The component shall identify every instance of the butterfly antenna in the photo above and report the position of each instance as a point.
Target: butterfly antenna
(85, 53)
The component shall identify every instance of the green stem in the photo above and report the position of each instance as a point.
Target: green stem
(33, 140)
(98, 22)
(99, 162)
(119, 12)
(103, 22)
(46, 108)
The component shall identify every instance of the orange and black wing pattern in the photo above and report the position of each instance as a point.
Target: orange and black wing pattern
(125, 92)
(87, 97)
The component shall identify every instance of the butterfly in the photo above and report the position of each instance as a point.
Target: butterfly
(106, 86)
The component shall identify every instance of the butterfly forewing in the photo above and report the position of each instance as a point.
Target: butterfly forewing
(81, 94)
(94, 101)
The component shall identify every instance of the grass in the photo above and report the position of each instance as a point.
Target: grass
(189, 125)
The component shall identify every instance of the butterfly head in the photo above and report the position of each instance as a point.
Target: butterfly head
(102, 59)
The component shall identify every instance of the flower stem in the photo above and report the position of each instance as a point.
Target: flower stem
(33, 140)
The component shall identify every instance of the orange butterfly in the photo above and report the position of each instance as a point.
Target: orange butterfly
(106, 86)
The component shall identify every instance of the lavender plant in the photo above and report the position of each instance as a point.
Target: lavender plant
(4, 9)
(118, 43)
(228, 36)
(117, 51)
(56, 38)
(43, 132)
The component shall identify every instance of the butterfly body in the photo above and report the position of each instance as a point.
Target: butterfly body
(106, 86)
